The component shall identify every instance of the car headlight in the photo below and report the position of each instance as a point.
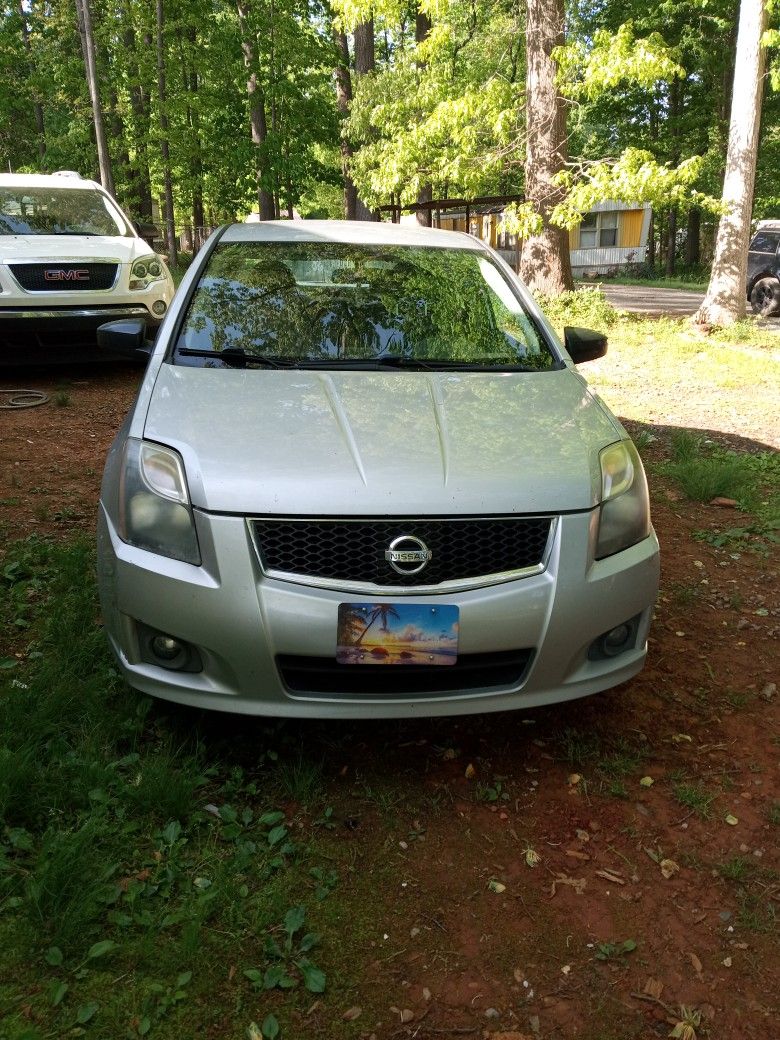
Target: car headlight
(144, 272)
(624, 516)
(154, 504)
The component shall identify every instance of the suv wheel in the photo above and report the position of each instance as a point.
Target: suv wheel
(765, 297)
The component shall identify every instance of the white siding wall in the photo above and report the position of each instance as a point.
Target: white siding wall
(602, 260)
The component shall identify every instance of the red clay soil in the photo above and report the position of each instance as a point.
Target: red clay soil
(650, 813)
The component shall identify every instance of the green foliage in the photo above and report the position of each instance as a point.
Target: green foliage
(614, 951)
(635, 177)
(589, 67)
(587, 307)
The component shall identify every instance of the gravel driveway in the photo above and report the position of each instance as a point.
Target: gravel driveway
(674, 302)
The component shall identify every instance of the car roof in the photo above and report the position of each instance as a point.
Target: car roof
(361, 232)
(64, 179)
(768, 225)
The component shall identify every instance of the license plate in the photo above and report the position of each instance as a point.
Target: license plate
(397, 633)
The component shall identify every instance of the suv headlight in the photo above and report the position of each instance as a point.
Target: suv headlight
(624, 515)
(145, 271)
(154, 504)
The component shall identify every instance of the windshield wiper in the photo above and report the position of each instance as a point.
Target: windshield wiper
(237, 357)
(400, 361)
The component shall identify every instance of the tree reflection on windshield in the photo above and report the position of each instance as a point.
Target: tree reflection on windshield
(320, 301)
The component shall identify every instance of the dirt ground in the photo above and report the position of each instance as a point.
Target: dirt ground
(480, 935)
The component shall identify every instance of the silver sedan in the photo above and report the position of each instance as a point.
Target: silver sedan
(363, 477)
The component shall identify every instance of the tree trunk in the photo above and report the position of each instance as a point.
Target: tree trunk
(671, 243)
(257, 116)
(170, 228)
(196, 165)
(422, 28)
(693, 238)
(546, 265)
(365, 62)
(37, 106)
(725, 299)
(84, 15)
(343, 101)
(139, 106)
(651, 240)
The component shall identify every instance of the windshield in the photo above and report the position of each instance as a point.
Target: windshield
(58, 211)
(343, 305)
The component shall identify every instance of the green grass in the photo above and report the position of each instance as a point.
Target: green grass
(692, 284)
(139, 843)
(695, 797)
(752, 479)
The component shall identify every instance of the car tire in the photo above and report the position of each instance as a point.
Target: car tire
(765, 297)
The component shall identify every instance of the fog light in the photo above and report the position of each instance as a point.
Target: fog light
(159, 307)
(165, 651)
(615, 641)
(166, 647)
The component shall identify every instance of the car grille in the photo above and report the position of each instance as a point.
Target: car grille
(91, 276)
(323, 676)
(353, 551)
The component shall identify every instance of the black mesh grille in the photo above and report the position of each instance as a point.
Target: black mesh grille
(68, 277)
(354, 550)
(324, 676)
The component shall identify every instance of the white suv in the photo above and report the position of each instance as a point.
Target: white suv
(70, 260)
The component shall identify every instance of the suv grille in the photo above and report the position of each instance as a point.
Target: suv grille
(67, 277)
(354, 550)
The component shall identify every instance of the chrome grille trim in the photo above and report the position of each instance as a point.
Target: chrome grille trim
(374, 589)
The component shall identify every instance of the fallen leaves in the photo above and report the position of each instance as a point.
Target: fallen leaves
(647, 781)
(611, 875)
(695, 962)
(496, 886)
(731, 820)
(532, 858)
(669, 868)
(352, 1013)
(578, 884)
(653, 988)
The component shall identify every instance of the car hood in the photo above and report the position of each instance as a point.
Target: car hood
(49, 249)
(393, 443)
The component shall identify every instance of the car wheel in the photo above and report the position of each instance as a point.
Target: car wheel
(765, 297)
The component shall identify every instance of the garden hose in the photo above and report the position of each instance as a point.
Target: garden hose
(23, 398)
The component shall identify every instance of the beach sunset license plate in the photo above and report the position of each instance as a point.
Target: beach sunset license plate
(397, 633)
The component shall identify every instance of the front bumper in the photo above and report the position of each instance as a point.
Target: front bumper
(242, 622)
(30, 334)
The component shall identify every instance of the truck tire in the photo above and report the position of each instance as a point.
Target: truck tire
(765, 297)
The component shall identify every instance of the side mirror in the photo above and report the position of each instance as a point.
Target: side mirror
(584, 344)
(125, 339)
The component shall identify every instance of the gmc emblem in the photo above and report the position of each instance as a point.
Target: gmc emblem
(56, 274)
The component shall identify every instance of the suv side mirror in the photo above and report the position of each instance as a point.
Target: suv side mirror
(584, 344)
(126, 339)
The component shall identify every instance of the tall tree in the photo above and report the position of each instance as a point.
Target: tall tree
(258, 119)
(37, 106)
(545, 264)
(724, 302)
(365, 62)
(84, 14)
(170, 227)
(343, 103)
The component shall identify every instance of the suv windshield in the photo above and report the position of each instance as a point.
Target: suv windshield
(58, 211)
(345, 305)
